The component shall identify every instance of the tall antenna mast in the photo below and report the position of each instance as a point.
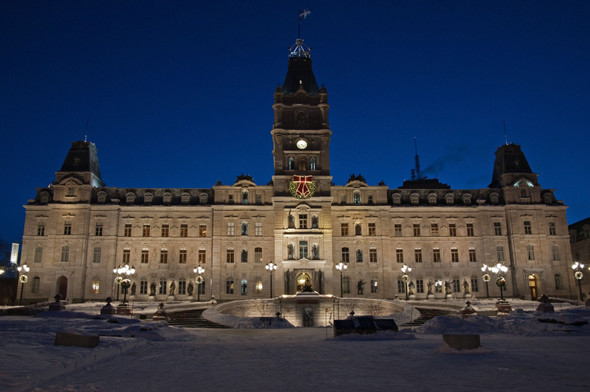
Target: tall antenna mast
(505, 134)
(417, 159)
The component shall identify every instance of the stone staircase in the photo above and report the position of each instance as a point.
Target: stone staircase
(425, 315)
(191, 319)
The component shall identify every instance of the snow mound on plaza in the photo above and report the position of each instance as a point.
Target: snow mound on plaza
(571, 321)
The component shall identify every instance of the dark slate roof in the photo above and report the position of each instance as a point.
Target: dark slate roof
(299, 73)
(509, 159)
(424, 183)
(82, 157)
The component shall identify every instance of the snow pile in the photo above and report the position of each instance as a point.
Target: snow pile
(519, 322)
(233, 321)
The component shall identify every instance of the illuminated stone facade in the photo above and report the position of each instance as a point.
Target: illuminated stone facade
(77, 230)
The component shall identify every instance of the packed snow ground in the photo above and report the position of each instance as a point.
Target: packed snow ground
(518, 353)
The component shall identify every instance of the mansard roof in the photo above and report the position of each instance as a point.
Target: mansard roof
(509, 159)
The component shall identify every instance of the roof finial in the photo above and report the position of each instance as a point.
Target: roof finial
(301, 14)
(86, 131)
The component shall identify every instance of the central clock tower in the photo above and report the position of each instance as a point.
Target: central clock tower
(301, 133)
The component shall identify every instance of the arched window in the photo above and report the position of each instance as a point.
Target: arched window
(356, 198)
(357, 229)
(414, 198)
(290, 163)
(346, 285)
(302, 164)
(396, 199)
(449, 198)
(432, 198)
(244, 197)
(312, 164)
(467, 198)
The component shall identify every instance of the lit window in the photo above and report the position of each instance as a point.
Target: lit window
(258, 229)
(434, 229)
(202, 256)
(231, 229)
(202, 230)
(95, 286)
(229, 286)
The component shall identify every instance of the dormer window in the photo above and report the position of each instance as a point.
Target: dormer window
(148, 198)
(414, 198)
(204, 198)
(432, 198)
(356, 198)
(101, 197)
(449, 198)
(244, 197)
(467, 198)
(396, 199)
(185, 198)
(167, 198)
(130, 198)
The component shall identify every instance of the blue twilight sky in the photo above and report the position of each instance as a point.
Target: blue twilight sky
(179, 93)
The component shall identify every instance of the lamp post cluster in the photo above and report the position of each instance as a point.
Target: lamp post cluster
(405, 277)
(271, 267)
(199, 271)
(578, 274)
(341, 267)
(124, 273)
(23, 270)
(500, 270)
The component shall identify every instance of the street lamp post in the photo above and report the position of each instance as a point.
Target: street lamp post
(341, 267)
(498, 269)
(578, 274)
(23, 278)
(199, 271)
(123, 278)
(270, 267)
(405, 271)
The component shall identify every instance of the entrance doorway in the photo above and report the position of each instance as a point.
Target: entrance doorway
(533, 286)
(62, 287)
(304, 282)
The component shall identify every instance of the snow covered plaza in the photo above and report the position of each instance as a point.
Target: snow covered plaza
(517, 353)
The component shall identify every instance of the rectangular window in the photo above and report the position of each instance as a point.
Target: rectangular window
(303, 249)
(164, 256)
(182, 254)
(162, 287)
(397, 230)
(454, 255)
(416, 228)
(126, 256)
(202, 230)
(146, 230)
(456, 285)
(434, 229)
(127, 230)
(98, 230)
(452, 230)
(372, 255)
(372, 229)
(474, 285)
(436, 255)
(552, 228)
(229, 286)
(418, 255)
(202, 255)
(303, 221)
(182, 287)
(497, 228)
(143, 287)
(500, 253)
(472, 255)
(528, 229)
(346, 285)
(231, 228)
(165, 230)
(67, 228)
(258, 255)
(40, 229)
(555, 253)
(343, 229)
(229, 256)
(470, 230)
(145, 256)
(345, 255)
(399, 255)
(258, 229)
(96, 254)
(530, 251)
(419, 285)
(558, 282)
(65, 253)
(184, 230)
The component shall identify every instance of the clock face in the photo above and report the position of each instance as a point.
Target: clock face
(301, 144)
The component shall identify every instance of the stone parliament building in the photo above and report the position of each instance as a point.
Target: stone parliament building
(77, 230)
